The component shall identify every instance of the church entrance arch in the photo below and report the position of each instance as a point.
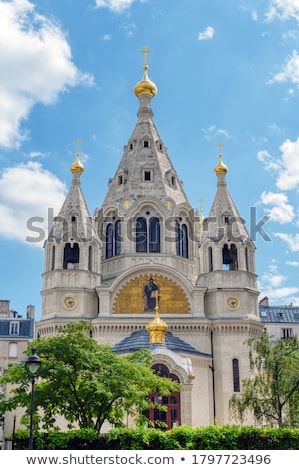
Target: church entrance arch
(172, 416)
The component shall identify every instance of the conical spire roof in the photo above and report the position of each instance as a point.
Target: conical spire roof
(74, 219)
(224, 218)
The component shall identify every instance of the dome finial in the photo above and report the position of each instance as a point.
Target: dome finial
(221, 168)
(145, 85)
(157, 327)
(77, 166)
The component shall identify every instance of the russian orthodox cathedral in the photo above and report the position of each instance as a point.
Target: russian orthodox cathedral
(148, 271)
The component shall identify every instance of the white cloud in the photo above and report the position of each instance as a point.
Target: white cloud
(269, 162)
(208, 33)
(290, 71)
(36, 66)
(293, 263)
(291, 240)
(213, 132)
(283, 9)
(289, 176)
(114, 5)
(27, 193)
(281, 211)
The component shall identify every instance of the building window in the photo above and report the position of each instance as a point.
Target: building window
(145, 143)
(14, 328)
(71, 255)
(210, 259)
(286, 333)
(13, 350)
(90, 258)
(148, 235)
(230, 257)
(53, 258)
(236, 375)
(113, 239)
(120, 180)
(147, 175)
(172, 416)
(181, 239)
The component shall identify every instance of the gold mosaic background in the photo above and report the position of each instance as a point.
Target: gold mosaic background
(172, 297)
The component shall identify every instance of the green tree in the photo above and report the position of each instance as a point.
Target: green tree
(271, 393)
(85, 382)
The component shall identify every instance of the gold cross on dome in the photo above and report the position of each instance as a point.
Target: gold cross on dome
(78, 143)
(145, 51)
(219, 145)
(168, 204)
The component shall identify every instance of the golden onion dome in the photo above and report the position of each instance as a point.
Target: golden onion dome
(145, 85)
(77, 166)
(157, 327)
(221, 168)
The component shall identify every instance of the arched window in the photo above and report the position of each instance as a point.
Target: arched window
(90, 258)
(117, 238)
(171, 417)
(230, 257)
(148, 235)
(178, 238)
(154, 235)
(181, 239)
(109, 241)
(71, 255)
(236, 375)
(141, 235)
(185, 241)
(113, 239)
(210, 259)
(246, 259)
(53, 258)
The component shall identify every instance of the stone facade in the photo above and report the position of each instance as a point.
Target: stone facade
(96, 268)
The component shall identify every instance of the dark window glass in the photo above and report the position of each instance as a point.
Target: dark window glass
(236, 375)
(154, 235)
(141, 235)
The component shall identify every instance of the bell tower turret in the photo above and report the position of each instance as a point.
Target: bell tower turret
(227, 256)
(72, 257)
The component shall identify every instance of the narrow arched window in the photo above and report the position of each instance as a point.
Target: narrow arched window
(210, 259)
(246, 259)
(184, 241)
(117, 238)
(90, 258)
(236, 375)
(141, 235)
(109, 241)
(178, 238)
(154, 235)
(53, 258)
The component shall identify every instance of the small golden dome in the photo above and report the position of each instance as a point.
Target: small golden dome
(145, 85)
(77, 166)
(157, 327)
(221, 168)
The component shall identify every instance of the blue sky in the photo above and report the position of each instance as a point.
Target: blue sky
(225, 71)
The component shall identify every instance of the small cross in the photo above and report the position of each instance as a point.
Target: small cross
(126, 204)
(219, 145)
(168, 204)
(145, 50)
(78, 143)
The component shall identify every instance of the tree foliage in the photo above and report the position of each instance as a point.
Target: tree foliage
(84, 382)
(271, 393)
